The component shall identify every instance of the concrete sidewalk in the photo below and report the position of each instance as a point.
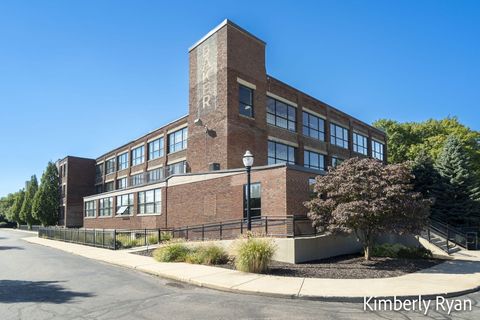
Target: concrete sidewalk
(451, 278)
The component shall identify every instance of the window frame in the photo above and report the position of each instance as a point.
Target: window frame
(89, 209)
(177, 146)
(118, 184)
(138, 155)
(276, 117)
(102, 208)
(321, 160)
(130, 204)
(156, 152)
(306, 126)
(275, 158)
(334, 138)
(360, 149)
(143, 204)
(120, 164)
(375, 153)
(242, 104)
(110, 165)
(255, 212)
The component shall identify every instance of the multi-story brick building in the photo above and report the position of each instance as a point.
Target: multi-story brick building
(190, 171)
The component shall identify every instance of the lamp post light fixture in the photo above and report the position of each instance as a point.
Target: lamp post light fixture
(248, 162)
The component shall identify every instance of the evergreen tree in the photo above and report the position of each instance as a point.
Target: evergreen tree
(46, 201)
(6, 204)
(427, 178)
(26, 210)
(457, 192)
(14, 212)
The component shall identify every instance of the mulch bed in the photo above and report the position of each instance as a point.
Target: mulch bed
(343, 267)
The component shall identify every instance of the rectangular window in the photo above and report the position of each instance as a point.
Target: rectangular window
(336, 161)
(360, 143)
(110, 166)
(98, 189)
(156, 149)
(90, 208)
(121, 183)
(338, 136)
(99, 170)
(377, 150)
(177, 168)
(125, 204)
(313, 160)
(311, 185)
(122, 161)
(138, 155)
(280, 153)
(137, 179)
(246, 101)
(177, 140)
(255, 200)
(313, 126)
(105, 207)
(281, 114)
(150, 202)
(155, 175)
(109, 186)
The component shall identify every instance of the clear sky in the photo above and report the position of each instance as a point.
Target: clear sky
(83, 77)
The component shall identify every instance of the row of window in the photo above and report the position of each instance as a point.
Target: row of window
(283, 115)
(148, 202)
(177, 141)
(150, 176)
(282, 153)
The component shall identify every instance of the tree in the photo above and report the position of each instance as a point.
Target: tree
(367, 198)
(6, 204)
(46, 201)
(457, 199)
(406, 140)
(26, 213)
(14, 212)
(426, 177)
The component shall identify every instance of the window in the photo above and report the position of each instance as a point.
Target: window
(255, 200)
(105, 207)
(245, 97)
(137, 179)
(138, 156)
(338, 136)
(177, 140)
(99, 170)
(156, 149)
(177, 168)
(377, 150)
(98, 188)
(336, 161)
(125, 204)
(110, 166)
(90, 208)
(150, 202)
(280, 153)
(281, 114)
(311, 185)
(313, 160)
(109, 186)
(122, 161)
(313, 127)
(121, 183)
(360, 143)
(155, 175)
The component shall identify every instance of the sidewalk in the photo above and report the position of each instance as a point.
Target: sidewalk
(451, 278)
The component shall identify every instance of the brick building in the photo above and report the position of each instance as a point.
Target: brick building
(190, 171)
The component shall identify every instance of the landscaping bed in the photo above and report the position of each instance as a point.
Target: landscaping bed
(343, 267)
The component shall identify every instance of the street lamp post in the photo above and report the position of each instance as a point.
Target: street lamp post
(248, 162)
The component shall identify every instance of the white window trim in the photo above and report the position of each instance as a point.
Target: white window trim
(246, 84)
(274, 96)
(155, 166)
(177, 160)
(290, 143)
(177, 128)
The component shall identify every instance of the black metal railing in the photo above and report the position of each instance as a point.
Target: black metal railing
(452, 235)
(25, 227)
(272, 226)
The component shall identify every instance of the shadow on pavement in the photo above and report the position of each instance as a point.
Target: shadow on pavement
(10, 248)
(14, 291)
(454, 267)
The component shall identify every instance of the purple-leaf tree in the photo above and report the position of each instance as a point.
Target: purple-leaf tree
(367, 198)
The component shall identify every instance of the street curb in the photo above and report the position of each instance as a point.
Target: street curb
(198, 283)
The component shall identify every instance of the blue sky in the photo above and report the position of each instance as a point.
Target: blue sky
(83, 77)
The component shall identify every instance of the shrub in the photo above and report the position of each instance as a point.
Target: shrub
(173, 251)
(387, 250)
(152, 239)
(207, 254)
(126, 241)
(166, 235)
(254, 254)
(415, 253)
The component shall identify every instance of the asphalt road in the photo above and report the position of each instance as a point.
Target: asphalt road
(38, 282)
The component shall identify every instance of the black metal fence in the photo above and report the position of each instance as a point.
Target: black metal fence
(453, 236)
(25, 227)
(272, 226)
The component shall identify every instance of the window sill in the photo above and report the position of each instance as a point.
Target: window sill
(94, 217)
(170, 153)
(148, 214)
(104, 217)
(123, 216)
(247, 117)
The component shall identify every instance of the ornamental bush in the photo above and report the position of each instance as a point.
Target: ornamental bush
(173, 251)
(253, 254)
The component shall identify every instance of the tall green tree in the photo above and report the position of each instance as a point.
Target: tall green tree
(457, 199)
(407, 140)
(6, 203)
(14, 212)
(426, 177)
(26, 213)
(46, 202)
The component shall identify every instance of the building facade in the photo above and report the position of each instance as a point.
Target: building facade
(191, 172)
